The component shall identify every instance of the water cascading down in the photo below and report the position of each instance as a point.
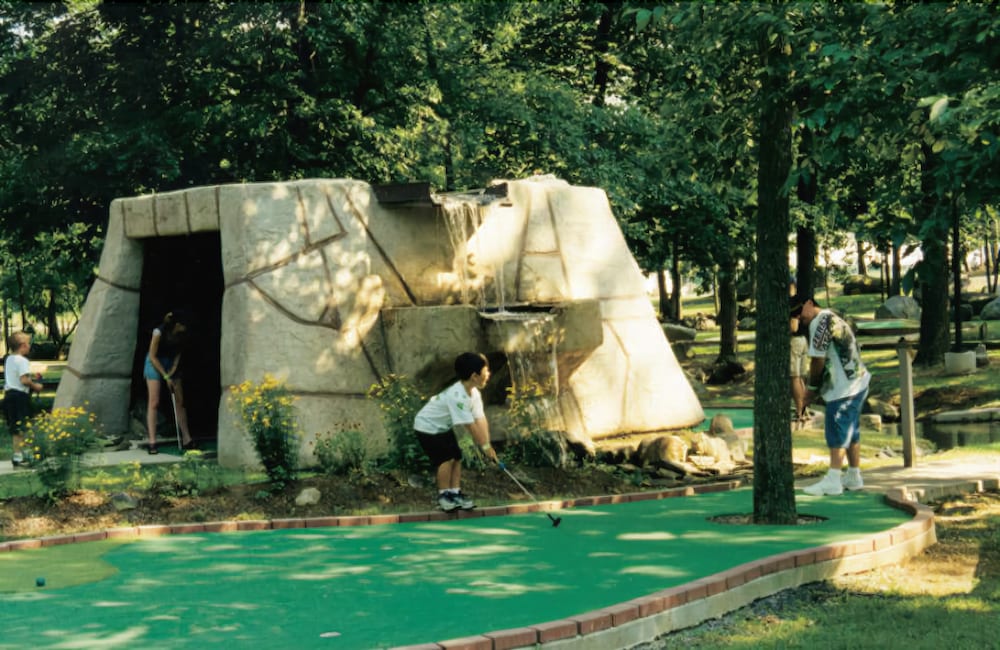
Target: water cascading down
(528, 339)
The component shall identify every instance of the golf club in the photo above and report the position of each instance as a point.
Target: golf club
(555, 520)
(177, 425)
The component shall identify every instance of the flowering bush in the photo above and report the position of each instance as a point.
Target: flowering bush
(400, 400)
(267, 414)
(57, 442)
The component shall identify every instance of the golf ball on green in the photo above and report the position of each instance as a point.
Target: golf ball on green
(39, 582)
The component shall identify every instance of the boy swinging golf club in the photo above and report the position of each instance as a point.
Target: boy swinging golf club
(461, 404)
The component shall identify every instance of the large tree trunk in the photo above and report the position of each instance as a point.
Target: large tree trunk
(773, 485)
(933, 274)
(727, 314)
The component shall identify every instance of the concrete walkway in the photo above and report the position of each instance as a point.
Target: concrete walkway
(930, 479)
(111, 458)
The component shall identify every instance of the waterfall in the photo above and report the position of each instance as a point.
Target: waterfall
(476, 258)
(530, 341)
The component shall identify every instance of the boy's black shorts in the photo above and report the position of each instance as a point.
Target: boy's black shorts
(440, 447)
(16, 409)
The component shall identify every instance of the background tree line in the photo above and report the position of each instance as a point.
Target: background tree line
(719, 130)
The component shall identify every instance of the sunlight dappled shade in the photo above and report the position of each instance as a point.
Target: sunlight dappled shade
(384, 586)
(646, 537)
(655, 570)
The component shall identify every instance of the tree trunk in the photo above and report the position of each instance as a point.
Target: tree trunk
(956, 271)
(602, 44)
(773, 485)
(52, 320)
(666, 312)
(862, 267)
(727, 314)
(897, 273)
(805, 260)
(932, 272)
(675, 280)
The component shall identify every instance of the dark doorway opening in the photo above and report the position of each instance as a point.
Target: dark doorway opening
(184, 273)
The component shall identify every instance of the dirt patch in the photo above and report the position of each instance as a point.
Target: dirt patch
(950, 398)
(390, 492)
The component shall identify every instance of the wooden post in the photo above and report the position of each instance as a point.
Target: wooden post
(907, 425)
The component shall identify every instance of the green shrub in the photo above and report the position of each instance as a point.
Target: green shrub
(343, 453)
(268, 416)
(56, 442)
(399, 401)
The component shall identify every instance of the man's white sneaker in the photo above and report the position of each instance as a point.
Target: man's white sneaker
(829, 486)
(853, 481)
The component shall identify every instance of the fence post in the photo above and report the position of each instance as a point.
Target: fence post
(907, 424)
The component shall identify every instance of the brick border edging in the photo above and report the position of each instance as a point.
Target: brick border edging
(157, 530)
(640, 619)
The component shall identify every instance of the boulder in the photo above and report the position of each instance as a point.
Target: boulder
(991, 310)
(308, 497)
(899, 308)
(676, 332)
(720, 424)
(871, 421)
(663, 450)
(885, 410)
(123, 501)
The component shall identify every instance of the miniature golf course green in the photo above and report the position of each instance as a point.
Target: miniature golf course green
(389, 585)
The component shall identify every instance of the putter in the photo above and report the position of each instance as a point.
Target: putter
(177, 425)
(555, 520)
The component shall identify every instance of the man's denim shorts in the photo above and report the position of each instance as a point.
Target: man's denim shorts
(843, 416)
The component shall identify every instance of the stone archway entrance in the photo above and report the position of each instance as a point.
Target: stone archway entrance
(184, 273)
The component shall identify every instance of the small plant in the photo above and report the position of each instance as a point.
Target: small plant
(57, 441)
(267, 414)
(343, 453)
(528, 442)
(399, 401)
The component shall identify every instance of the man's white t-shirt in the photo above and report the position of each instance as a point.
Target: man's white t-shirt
(451, 406)
(13, 368)
(845, 375)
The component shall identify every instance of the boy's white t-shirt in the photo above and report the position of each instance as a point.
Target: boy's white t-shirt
(451, 406)
(13, 369)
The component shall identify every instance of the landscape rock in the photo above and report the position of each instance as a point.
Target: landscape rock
(899, 307)
(991, 311)
(663, 450)
(123, 501)
(308, 497)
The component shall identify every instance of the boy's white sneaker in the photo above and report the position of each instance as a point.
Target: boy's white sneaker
(853, 481)
(829, 486)
(447, 502)
(464, 502)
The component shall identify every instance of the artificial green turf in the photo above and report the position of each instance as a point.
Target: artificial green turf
(383, 586)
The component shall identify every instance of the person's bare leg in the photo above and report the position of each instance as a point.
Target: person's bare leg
(182, 418)
(854, 455)
(799, 398)
(153, 388)
(836, 458)
(444, 472)
(456, 475)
